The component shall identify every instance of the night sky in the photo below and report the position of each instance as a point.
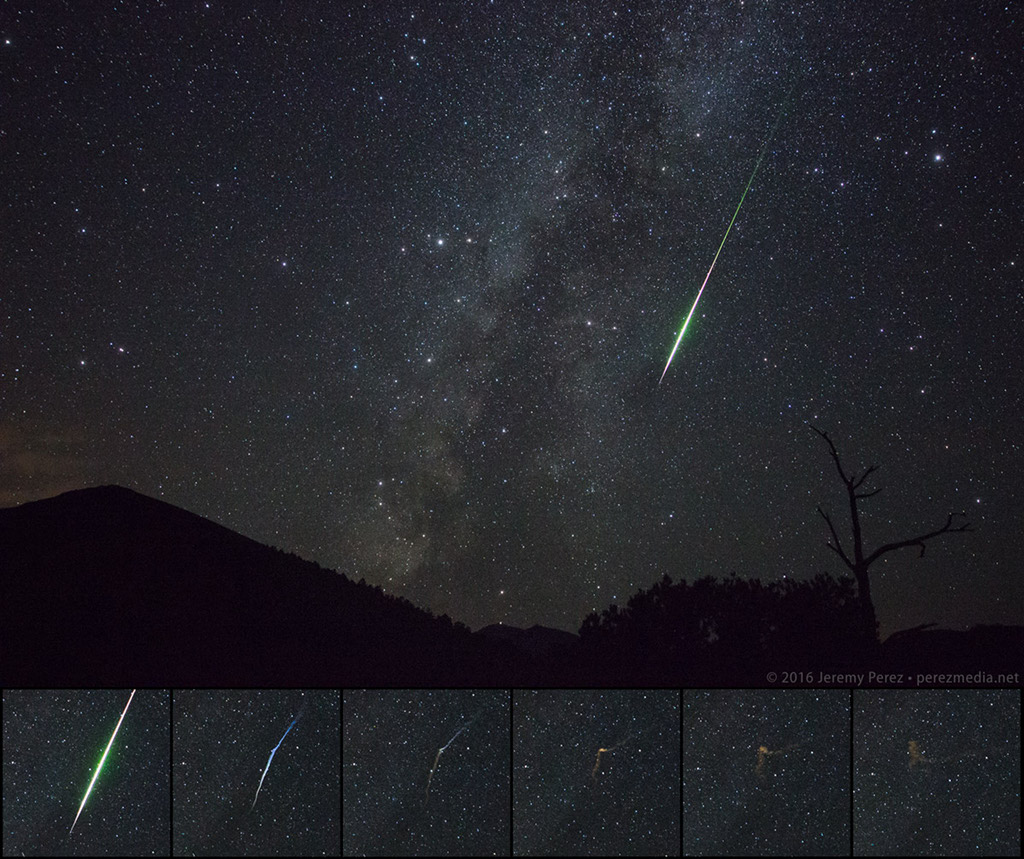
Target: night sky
(391, 741)
(221, 744)
(391, 287)
(963, 798)
(53, 742)
(568, 800)
(795, 801)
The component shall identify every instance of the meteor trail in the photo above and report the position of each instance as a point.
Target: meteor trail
(273, 751)
(95, 775)
(440, 751)
(707, 277)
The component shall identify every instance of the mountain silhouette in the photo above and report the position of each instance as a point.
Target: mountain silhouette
(106, 587)
(536, 642)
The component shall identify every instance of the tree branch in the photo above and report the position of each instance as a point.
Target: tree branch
(856, 482)
(833, 451)
(838, 547)
(920, 540)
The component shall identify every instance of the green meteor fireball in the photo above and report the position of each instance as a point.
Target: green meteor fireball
(707, 277)
(96, 774)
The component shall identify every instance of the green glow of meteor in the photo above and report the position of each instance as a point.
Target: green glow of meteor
(103, 760)
(743, 197)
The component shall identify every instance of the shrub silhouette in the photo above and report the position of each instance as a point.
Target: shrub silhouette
(727, 632)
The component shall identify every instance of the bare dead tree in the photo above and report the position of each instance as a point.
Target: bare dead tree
(859, 562)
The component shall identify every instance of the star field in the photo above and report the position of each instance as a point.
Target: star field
(569, 800)
(391, 740)
(390, 286)
(53, 741)
(795, 801)
(221, 743)
(962, 798)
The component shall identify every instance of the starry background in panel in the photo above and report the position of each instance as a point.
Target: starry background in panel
(53, 741)
(798, 804)
(222, 740)
(391, 287)
(629, 807)
(964, 798)
(391, 739)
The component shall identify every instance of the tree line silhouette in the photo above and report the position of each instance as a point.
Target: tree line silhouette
(747, 632)
(740, 629)
(172, 599)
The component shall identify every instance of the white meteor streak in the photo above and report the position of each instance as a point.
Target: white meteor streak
(95, 775)
(440, 751)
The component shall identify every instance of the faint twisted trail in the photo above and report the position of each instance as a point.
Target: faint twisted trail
(440, 751)
(601, 751)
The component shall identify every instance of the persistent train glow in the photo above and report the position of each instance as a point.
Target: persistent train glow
(440, 751)
(273, 752)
